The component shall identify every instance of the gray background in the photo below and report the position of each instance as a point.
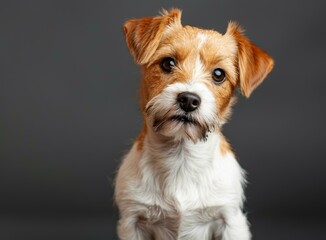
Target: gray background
(68, 102)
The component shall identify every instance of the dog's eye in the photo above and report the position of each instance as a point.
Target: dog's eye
(168, 64)
(218, 75)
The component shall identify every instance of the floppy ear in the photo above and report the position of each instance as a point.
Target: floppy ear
(144, 35)
(253, 63)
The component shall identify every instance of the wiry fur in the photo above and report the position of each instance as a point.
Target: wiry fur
(181, 180)
(164, 114)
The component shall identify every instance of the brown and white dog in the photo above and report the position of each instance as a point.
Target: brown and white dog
(181, 180)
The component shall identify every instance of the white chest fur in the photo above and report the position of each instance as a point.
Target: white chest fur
(193, 175)
(183, 191)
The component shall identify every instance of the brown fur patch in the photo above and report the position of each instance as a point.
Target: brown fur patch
(144, 35)
(141, 138)
(225, 146)
(254, 64)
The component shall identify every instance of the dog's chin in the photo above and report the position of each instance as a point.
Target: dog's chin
(181, 127)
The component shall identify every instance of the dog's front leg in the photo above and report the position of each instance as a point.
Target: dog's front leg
(132, 227)
(235, 227)
(143, 222)
(128, 230)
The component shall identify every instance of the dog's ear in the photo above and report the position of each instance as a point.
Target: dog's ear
(253, 63)
(144, 35)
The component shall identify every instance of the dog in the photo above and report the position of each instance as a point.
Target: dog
(180, 180)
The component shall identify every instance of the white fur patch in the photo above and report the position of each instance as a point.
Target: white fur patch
(198, 71)
(202, 38)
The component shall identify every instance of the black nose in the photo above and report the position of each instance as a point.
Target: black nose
(188, 101)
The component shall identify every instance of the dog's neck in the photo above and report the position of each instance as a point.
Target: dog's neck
(174, 166)
(170, 153)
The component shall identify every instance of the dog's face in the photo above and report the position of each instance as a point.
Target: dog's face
(190, 74)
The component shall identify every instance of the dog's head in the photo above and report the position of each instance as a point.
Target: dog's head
(190, 74)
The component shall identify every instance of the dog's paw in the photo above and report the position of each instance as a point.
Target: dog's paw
(152, 214)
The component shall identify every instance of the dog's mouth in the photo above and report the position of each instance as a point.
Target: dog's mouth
(183, 119)
(183, 125)
(173, 122)
(186, 119)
